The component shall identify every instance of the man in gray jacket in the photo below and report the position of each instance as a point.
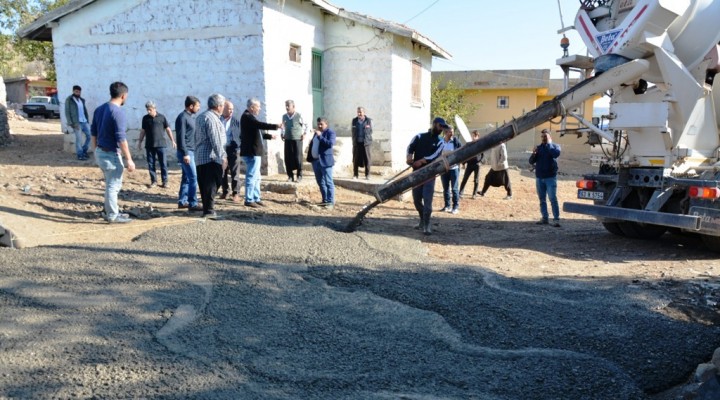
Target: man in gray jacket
(76, 117)
(362, 129)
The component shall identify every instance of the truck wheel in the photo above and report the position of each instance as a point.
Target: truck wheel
(614, 228)
(636, 230)
(711, 242)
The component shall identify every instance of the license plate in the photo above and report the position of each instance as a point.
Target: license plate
(587, 194)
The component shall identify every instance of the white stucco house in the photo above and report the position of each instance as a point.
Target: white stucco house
(328, 60)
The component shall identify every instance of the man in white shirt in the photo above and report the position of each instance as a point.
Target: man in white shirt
(76, 117)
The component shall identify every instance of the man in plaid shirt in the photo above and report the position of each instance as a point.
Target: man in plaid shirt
(210, 157)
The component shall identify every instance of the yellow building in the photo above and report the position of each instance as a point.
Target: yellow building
(500, 95)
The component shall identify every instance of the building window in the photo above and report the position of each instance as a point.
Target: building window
(503, 102)
(295, 53)
(416, 95)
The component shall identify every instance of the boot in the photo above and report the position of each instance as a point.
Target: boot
(421, 224)
(427, 226)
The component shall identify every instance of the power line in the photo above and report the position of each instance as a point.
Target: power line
(421, 12)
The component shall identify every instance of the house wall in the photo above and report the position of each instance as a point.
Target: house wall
(16, 91)
(163, 50)
(356, 61)
(408, 118)
(488, 116)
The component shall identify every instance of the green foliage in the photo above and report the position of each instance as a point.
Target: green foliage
(447, 99)
(15, 53)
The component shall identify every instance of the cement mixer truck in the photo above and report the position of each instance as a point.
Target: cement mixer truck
(661, 164)
(656, 60)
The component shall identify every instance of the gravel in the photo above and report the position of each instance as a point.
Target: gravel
(271, 309)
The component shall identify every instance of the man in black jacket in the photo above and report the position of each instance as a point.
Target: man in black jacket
(251, 150)
(424, 148)
(362, 142)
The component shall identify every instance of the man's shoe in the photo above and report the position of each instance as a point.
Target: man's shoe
(210, 215)
(251, 204)
(236, 198)
(556, 223)
(181, 206)
(195, 208)
(481, 194)
(299, 179)
(223, 196)
(542, 222)
(446, 209)
(474, 197)
(290, 179)
(508, 197)
(260, 203)
(152, 184)
(455, 210)
(120, 219)
(163, 185)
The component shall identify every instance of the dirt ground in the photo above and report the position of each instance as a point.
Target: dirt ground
(47, 197)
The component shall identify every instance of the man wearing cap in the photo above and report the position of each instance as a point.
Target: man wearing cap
(424, 148)
(544, 158)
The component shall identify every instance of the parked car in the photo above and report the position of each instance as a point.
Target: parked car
(42, 105)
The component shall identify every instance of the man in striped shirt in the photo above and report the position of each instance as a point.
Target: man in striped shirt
(210, 157)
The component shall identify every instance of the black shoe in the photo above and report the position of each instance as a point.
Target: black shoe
(251, 204)
(195, 209)
(260, 203)
(180, 206)
(290, 179)
(223, 196)
(542, 222)
(556, 223)
(210, 215)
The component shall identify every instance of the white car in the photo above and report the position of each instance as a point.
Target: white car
(42, 105)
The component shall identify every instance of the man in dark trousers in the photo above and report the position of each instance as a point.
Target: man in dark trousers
(210, 152)
(362, 142)
(232, 135)
(293, 136)
(155, 126)
(251, 150)
(76, 116)
(424, 148)
(185, 133)
(544, 158)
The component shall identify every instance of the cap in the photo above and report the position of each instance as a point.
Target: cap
(440, 121)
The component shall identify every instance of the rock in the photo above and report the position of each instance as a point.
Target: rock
(709, 390)
(716, 358)
(705, 371)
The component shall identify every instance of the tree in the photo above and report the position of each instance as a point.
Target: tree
(15, 51)
(447, 99)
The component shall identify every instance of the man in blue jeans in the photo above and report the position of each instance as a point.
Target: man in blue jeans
(544, 158)
(76, 116)
(185, 134)
(424, 148)
(322, 159)
(110, 141)
(251, 150)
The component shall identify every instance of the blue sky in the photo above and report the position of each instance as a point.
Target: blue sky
(484, 34)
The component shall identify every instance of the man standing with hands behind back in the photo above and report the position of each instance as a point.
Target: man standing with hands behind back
(362, 142)
(544, 158)
(109, 142)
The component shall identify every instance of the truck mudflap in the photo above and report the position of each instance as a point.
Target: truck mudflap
(688, 222)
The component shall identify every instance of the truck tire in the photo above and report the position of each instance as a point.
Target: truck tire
(637, 230)
(711, 242)
(614, 228)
